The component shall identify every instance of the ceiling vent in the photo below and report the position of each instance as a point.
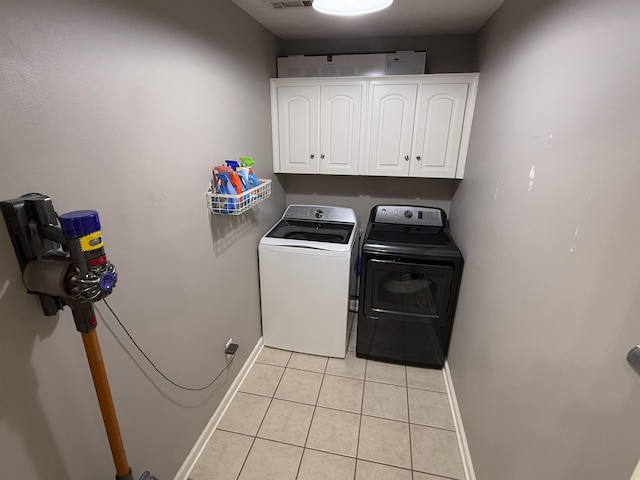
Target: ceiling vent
(290, 4)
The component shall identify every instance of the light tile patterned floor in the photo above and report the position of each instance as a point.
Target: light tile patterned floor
(304, 417)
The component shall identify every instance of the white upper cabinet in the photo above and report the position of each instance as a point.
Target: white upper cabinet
(341, 128)
(297, 132)
(409, 125)
(317, 125)
(391, 128)
(438, 130)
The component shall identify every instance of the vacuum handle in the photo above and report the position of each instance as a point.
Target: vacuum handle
(109, 417)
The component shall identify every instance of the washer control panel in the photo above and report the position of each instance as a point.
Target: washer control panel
(320, 213)
(409, 215)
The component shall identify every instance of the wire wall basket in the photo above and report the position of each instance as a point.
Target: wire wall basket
(225, 204)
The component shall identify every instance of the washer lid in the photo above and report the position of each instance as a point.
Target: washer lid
(314, 226)
(309, 231)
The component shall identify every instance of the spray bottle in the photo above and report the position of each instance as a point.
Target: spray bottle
(243, 174)
(233, 175)
(248, 162)
(225, 187)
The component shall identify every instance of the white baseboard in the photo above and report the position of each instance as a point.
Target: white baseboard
(467, 464)
(205, 436)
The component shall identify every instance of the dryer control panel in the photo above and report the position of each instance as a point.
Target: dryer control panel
(410, 215)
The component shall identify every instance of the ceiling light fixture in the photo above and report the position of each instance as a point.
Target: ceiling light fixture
(350, 7)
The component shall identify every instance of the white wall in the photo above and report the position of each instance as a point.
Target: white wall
(547, 217)
(124, 107)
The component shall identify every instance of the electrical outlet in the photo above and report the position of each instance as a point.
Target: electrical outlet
(229, 342)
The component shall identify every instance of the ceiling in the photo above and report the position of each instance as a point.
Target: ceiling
(402, 18)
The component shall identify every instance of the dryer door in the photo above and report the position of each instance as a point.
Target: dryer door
(406, 291)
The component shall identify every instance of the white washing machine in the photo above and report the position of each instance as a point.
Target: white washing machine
(307, 275)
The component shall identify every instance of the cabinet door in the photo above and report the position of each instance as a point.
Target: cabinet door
(390, 128)
(341, 117)
(438, 129)
(298, 129)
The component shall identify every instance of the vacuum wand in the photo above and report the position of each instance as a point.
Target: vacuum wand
(66, 265)
(109, 418)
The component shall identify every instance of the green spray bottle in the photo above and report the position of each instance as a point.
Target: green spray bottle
(248, 162)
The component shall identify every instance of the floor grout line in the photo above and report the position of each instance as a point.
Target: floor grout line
(406, 378)
(364, 384)
(315, 407)
(423, 389)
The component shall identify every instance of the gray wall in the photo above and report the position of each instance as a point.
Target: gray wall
(124, 107)
(547, 217)
(445, 54)
(362, 193)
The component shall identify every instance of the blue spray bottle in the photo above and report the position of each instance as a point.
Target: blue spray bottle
(243, 173)
(248, 162)
(239, 180)
(234, 177)
(226, 188)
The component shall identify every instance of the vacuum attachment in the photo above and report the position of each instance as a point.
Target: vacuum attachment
(147, 476)
(129, 476)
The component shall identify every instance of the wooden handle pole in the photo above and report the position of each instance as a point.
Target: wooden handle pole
(101, 383)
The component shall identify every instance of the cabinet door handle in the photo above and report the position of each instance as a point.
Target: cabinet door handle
(418, 158)
(313, 156)
(406, 157)
(322, 155)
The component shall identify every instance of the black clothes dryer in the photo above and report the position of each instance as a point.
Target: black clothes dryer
(410, 278)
